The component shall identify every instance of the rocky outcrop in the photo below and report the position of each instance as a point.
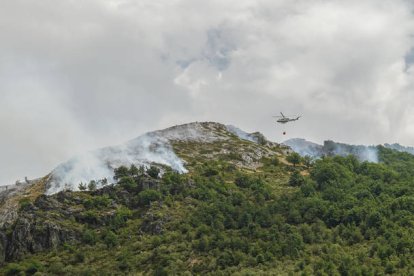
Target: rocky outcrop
(3, 246)
(30, 236)
(32, 233)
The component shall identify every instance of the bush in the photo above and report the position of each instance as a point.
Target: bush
(296, 179)
(14, 269)
(210, 171)
(147, 196)
(251, 182)
(29, 268)
(98, 201)
(33, 267)
(78, 258)
(274, 161)
(307, 161)
(89, 237)
(56, 268)
(121, 217)
(128, 183)
(121, 172)
(25, 203)
(110, 239)
(153, 171)
(91, 217)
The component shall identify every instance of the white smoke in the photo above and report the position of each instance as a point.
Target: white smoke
(153, 147)
(80, 169)
(304, 147)
(100, 164)
(241, 134)
(371, 155)
(363, 153)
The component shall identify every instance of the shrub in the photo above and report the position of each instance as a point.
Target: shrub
(307, 161)
(14, 269)
(128, 183)
(89, 237)
(110, 239)
(91, 217)
(121, 172)
(210, 171)
(274, 161)
(121, 217)
(98, 201)
(153, 171)
(24, 203)
(78, 258)
(296, 179)
(147, 196)
(33, 267)
(246, 181)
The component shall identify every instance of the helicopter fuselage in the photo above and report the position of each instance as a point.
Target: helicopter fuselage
(286, 120)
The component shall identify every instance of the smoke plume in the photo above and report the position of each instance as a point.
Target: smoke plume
(100, 164)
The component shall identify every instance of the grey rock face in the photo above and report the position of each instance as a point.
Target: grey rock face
(29, 236)
(3, 246)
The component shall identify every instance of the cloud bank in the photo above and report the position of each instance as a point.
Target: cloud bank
(81, 75)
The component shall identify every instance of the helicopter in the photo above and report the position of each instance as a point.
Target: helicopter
(285, 119)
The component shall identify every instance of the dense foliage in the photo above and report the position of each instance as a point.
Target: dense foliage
(340, 217)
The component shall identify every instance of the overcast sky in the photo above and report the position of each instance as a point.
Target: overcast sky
(77, 75)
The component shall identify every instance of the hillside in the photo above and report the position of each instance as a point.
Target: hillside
(172, 147)
(236, 206)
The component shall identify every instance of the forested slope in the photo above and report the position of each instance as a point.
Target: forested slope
(339, 217)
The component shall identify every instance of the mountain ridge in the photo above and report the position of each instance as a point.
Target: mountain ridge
(152, 147)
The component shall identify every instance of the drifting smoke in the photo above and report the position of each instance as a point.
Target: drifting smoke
(153, 147)
(255, 137)
(241, 134)
(363, 153)
(303, 147)
(400, 148)
(100, 164)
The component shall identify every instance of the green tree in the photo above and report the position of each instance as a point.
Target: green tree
(82, 187)
(294, 158)
(133, 170)
(153, 171)
(92, 185)
(307, 161)
(296, 179)
(121, 172)
(128, 183)
(147, 196)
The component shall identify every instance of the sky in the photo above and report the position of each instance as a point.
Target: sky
(79, 75)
